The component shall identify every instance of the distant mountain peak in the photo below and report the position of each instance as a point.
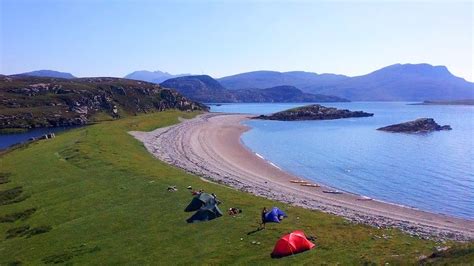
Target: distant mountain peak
(48, 73)
(422, 69)
(402, 82)
(156, 76)
(153, 72)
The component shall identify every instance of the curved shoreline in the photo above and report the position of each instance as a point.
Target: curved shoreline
(210, 146)
(360, 196)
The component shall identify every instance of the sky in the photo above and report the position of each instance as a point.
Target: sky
(220, 38)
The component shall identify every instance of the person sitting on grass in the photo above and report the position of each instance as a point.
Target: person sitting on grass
(215, 198)
(264, 213)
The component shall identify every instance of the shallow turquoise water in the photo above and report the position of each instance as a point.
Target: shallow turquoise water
(433, 172)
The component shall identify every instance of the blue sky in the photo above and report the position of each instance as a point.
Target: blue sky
(114, 38)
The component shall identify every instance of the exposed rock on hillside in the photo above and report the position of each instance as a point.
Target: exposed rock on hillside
(30, 102)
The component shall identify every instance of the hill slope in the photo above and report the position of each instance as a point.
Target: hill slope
(47, 73)
(200, 88)
(152, 76)
(267, 79)
(282, 94)
(104, 200)
(206, 89)
(408, 82)
(27, 102)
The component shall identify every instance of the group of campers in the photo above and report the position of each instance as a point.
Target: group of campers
(205, 208)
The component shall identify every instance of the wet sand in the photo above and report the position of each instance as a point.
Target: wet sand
(210, 146)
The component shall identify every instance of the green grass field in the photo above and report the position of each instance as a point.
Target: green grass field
(94, 195)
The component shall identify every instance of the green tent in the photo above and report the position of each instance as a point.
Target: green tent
(206, 213)
(199, 201)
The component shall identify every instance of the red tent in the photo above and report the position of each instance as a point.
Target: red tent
(292, 243)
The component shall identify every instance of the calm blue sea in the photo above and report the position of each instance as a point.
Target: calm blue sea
(433, 172)
(7, 140)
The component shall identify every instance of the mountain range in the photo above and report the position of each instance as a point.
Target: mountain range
(408, 82)
(398, 82)
(203, 88)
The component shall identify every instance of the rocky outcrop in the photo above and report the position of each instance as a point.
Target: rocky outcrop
(421, 125)
(31, 102)
(313, 112)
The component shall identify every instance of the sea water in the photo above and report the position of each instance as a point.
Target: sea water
(432, 172)
(10, 139)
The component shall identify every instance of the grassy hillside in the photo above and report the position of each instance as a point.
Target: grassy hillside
(94, 195)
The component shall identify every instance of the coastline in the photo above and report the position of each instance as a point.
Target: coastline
(210, 146)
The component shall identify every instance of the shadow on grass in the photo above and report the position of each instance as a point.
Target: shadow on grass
(14, 263)
(69, 254)
(255, 231)
(11, 196)
(4, 178)
(10, 218)
(27, 231)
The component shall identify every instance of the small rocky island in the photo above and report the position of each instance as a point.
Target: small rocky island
(313, 112)
(453, 102)
(421, 125)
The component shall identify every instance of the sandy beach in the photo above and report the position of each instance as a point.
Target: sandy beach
(210, 146)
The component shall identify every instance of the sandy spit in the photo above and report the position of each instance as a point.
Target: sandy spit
(209, 146)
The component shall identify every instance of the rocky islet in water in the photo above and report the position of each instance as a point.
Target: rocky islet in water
(313, 112)
(421, 125)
